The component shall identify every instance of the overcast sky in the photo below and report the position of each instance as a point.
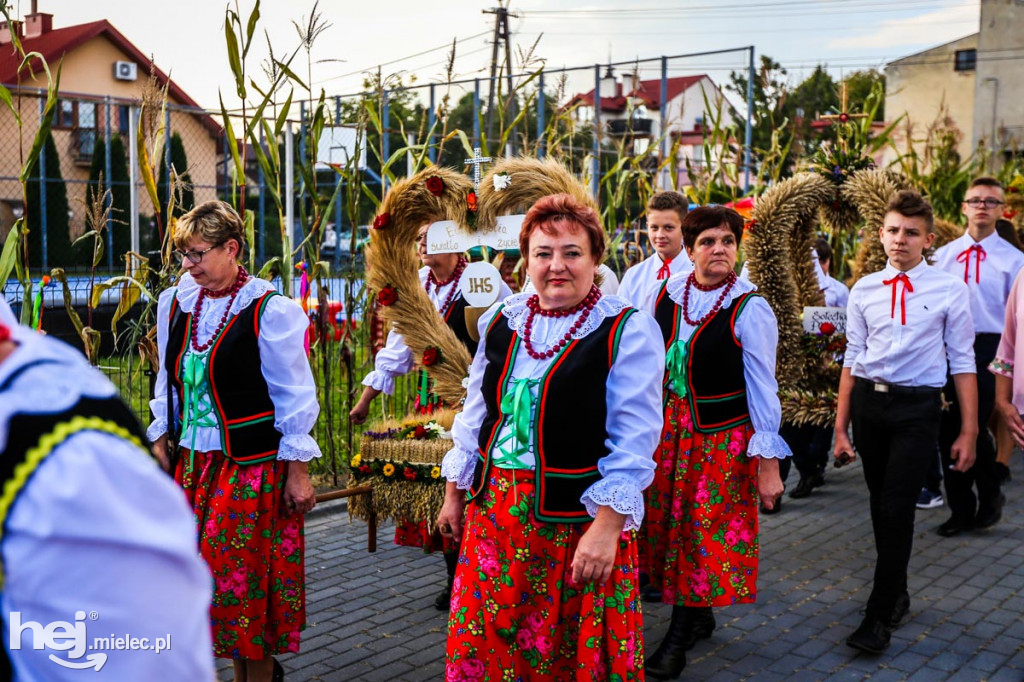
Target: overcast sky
(187, 36)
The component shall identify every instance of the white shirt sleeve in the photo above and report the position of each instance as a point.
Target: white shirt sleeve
(158, 405)
(460, 462)
(101, 530)
(758, 332)
(958, 334)
(285, 366)
(393, 360)
(634, 422)
(856, 329)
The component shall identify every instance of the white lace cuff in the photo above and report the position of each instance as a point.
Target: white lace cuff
(768, 445)
(458, 466)
(156, 429)
(298, 448)
(385, 383)
(621, 493)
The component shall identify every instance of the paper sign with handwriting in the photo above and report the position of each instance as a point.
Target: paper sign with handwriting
(445, 236)
(818, 319)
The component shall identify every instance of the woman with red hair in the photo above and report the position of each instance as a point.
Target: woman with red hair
(555, 447)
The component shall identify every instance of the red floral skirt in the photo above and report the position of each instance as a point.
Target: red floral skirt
(516, 615)
(701, 520)
(254, 550)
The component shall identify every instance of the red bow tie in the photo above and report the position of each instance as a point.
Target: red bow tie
(907, 286)
(965, 258)
(664, 272)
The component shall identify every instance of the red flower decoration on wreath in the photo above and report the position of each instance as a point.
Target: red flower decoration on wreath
(1010, 214)
(387, 296)
(471, 201)
(410, 474)
(364, 468)
(844, 117)
(431, 356)
(435, 185)
(827, 328)
(382, 221)
(419, 432)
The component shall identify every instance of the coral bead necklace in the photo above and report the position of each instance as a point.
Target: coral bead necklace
(205, 293)
(583, 308)
(726, 286)
(455, 278)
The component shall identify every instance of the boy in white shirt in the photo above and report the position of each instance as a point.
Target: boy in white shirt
(987, 264)
(902, 326)
(665, 213)
(836, 293)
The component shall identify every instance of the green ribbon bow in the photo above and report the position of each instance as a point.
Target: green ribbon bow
(517, 406)
(198, 408)
(675, 365)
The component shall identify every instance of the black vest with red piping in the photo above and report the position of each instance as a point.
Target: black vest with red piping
(716, 388)
(569, 425)
(240, 395)
(455, 318)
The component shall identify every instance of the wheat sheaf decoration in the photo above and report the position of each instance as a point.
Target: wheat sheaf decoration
(870, 191)
(522, 181)
(392, 275)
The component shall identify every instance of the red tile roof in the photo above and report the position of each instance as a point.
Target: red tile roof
(58, 42)
(649, 91)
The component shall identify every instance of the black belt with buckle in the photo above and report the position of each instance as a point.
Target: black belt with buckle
(895, 389)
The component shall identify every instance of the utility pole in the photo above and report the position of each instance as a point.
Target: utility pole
(502, 35)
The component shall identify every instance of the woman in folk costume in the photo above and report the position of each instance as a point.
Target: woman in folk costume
(242, 392)
(720, 448)
(440, 276)
(554, 447)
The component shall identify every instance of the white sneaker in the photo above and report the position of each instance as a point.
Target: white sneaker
(929, 500)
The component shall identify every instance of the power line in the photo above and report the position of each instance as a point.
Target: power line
(662, 11)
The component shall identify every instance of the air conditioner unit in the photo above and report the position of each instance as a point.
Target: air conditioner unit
(125, 71)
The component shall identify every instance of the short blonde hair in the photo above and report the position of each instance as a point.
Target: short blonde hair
(214, 222)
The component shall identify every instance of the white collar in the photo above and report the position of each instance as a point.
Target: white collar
(676, 287)
(517, 313)
(188, 293)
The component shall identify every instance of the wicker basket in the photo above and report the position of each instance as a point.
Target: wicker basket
(410, 489)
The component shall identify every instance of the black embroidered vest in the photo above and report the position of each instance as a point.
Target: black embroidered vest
(455, 318)
(241, 398)
(716, 388)
(569, 428)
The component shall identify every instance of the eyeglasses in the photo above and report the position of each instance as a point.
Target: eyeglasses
(196, 257)
(975, 202)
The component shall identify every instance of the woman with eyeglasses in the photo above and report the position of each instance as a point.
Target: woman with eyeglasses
(242, 402)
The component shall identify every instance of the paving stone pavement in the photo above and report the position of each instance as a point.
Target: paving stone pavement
(371, 616)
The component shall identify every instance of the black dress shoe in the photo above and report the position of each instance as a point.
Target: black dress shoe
(278, 674)
(443, 602)
(954, 526)
(1003, 474)
(669, 659)
(871, 637)
(699, 624)
(990, 516)
(775, 509)
(806, 485)
(899, 611)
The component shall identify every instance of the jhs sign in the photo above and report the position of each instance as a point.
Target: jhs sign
(479, 285)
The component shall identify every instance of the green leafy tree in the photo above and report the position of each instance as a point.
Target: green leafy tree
(771, 94)
(859, 85)
(815, 96)
(58, 236)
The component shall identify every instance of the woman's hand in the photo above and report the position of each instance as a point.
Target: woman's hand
(299, 496)
(595, 553)
(1013, 421)
(362, 408)
(449, 520)
(160, 452)
(769, 483)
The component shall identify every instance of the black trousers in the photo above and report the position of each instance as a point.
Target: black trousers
(960, 485)
(811, 446)
(895, 438)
